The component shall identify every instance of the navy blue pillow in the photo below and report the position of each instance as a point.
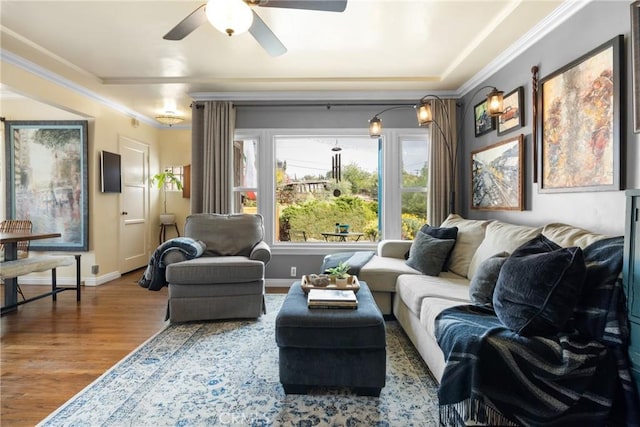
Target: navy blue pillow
(444, 233)
(538, 287)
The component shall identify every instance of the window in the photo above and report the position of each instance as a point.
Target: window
(245, 176)
(178, 172)
(321, 179)
(414, 158)
(326, 188)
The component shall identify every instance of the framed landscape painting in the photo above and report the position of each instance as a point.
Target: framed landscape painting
(497, 176)
(47, 180)
(513, 116)
(484, 123)
(580, 135)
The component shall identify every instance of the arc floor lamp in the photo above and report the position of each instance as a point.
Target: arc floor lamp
(424, 113)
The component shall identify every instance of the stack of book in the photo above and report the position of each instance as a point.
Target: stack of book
(331, 298)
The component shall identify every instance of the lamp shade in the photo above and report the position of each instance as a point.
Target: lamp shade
(375, 127)
(229, 16)
(423, 111)
(169, 118)
(495, 103)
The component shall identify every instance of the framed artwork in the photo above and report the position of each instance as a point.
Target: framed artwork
(580, 138)
(497, 176)
(484, 123)
(635, 68)
(513, 116)
(47, 180)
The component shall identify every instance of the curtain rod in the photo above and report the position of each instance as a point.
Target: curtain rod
(327, 105)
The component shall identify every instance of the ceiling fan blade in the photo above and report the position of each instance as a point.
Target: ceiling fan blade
(187, 25)
(322, 5)
(265, 37)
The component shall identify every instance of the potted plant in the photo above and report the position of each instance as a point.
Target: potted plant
(160, 180)
(340, 274)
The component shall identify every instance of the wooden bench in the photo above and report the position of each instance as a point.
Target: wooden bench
(33, 264)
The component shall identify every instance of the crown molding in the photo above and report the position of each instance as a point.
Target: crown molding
(20, 62)
(544, 27)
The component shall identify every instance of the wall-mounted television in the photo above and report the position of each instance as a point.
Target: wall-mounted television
(110, 172)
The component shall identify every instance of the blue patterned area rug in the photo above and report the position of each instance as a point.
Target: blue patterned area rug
(226, 374)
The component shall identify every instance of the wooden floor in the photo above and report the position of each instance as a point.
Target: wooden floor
(51, 351)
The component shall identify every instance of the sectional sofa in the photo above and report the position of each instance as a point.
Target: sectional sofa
(417, 299)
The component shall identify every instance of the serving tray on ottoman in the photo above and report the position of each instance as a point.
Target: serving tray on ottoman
(331, 348)
(352, 284)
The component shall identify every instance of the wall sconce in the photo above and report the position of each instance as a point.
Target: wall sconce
(169, 118)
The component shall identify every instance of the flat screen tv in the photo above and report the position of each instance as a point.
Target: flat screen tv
(110, 172)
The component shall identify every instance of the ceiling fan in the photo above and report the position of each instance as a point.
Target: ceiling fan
(237, 16)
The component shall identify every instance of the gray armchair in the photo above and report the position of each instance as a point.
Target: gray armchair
(227, 281)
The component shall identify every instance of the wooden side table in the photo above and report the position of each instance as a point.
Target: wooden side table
(163, 231)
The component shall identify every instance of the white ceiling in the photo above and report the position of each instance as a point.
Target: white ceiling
(399, 49)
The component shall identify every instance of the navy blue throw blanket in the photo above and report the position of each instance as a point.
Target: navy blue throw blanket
(154, 276)
(577, 377)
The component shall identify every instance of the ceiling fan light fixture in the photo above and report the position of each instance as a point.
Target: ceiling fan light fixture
(169, 118)
(229, 16)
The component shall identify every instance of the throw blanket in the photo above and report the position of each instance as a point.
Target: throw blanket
(496, 376)
(356, 260)
(154, 276)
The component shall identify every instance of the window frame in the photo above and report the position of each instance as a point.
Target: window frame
(389, 198)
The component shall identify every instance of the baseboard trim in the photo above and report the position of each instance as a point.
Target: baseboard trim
(279, 283)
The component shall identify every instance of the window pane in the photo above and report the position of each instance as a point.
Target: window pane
(414, 163)
(246, 202)
(325, 181)
(414, 213)
(244, 164)
(415, 172)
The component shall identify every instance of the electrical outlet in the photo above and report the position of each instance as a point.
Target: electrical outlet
(95, 269)
(293, 272)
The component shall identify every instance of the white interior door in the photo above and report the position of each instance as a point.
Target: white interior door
(134, 205)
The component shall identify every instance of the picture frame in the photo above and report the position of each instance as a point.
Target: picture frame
(483, 122)
(580, 123)
(497, 176)
(46, 180)
(513, 116)
(635, 66)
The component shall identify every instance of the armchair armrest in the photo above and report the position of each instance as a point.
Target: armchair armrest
(261, 252)
(394, 248)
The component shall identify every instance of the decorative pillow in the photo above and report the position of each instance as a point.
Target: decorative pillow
(438, 233)
(538, 287)
(484, 281)
(501, 236)
(603, 260)
(470, 235)
(427, 254)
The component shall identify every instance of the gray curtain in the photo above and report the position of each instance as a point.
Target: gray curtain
(212, 136)
(441, 188)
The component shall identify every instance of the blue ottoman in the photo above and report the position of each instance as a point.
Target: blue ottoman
(327, 347)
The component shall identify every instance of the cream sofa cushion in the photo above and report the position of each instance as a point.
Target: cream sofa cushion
(381, 273)
(470, 235)
(413, 289)
(568, 235)
(501, 237)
